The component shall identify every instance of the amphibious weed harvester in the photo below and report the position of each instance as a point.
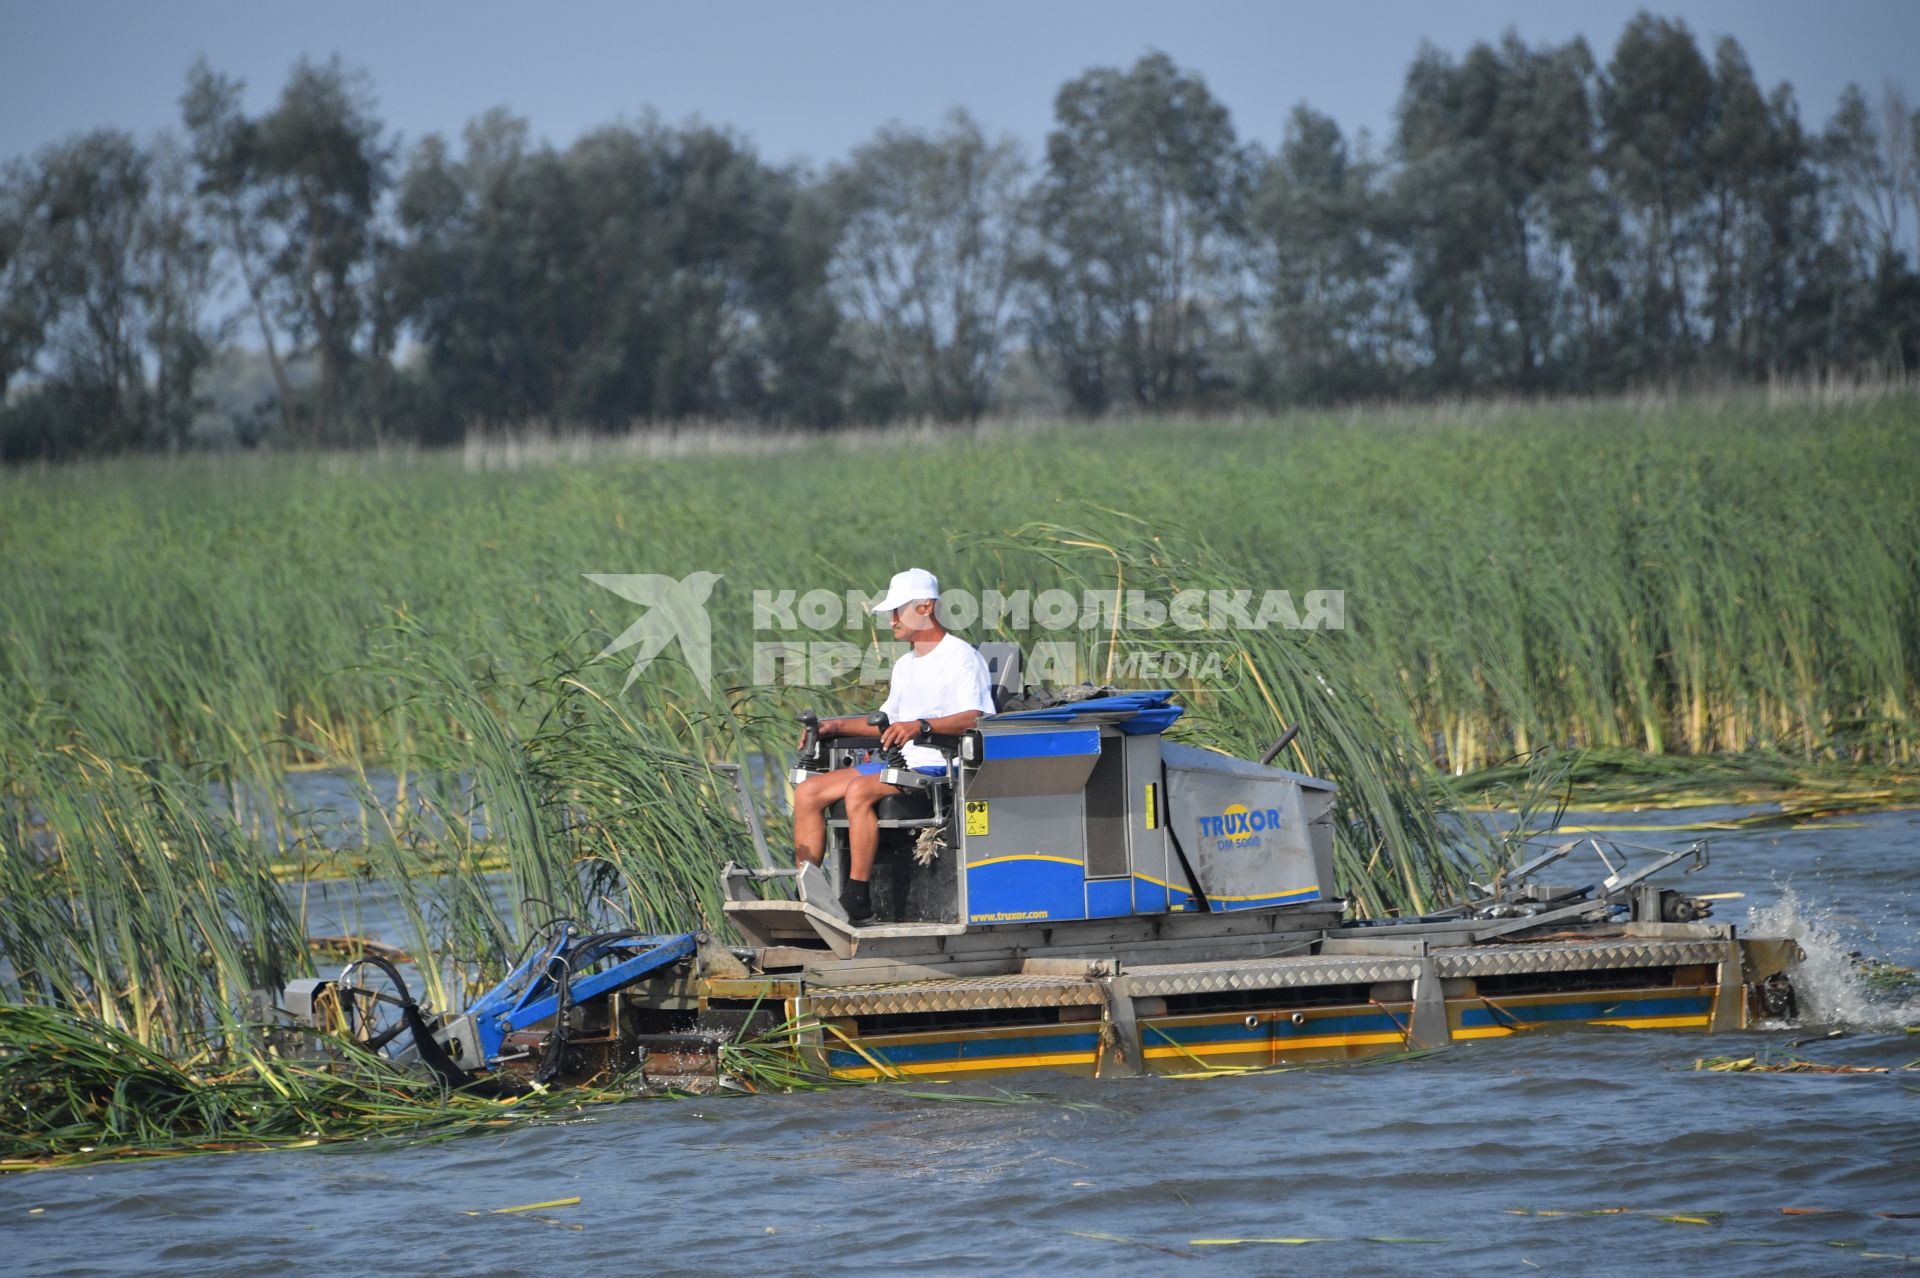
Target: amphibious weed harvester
(1078, 892)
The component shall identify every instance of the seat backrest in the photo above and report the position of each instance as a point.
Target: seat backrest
(1003, 668)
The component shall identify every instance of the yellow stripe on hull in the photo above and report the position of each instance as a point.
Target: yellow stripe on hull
(962, 1065)
(1276, 1047)
(1163, 1056)
(1633, 1022)
(1659, 1022)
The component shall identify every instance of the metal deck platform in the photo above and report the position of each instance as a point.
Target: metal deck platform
(982, 993)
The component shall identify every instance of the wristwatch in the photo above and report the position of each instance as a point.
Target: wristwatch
(926, 729)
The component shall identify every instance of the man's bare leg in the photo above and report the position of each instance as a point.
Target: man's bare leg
(810, 800)
(863, 824)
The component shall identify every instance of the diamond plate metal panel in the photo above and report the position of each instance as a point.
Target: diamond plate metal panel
(1509, 960)
(965, 994)
(1163, 979)
(1264, 974)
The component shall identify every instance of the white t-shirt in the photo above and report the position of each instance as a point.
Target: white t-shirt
(951, 678)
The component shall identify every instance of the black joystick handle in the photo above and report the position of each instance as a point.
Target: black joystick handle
(810, 743)
(891, 754)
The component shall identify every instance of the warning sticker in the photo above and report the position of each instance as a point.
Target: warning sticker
(976, 818)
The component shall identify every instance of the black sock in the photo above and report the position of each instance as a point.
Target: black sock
(857, 897)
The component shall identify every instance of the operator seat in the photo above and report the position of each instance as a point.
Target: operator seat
(1004, 669)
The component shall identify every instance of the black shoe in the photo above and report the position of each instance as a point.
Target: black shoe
(856, 898)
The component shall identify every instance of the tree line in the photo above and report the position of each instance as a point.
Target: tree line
(1538, 222)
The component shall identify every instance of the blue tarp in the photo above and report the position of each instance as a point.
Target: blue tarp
(1151, 711)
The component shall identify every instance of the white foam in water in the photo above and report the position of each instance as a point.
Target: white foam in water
(1830, 987)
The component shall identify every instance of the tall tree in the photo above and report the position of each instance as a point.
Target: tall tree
(1869, 154)
(225, 144)
(490, 251)
(1866, 155)
(1733, 155)
(1762, 216)
(107, 276)
(26, 304)
(177, 279)
(933, 230)
(1656, 105)
(1142, 220)
(1325, 263)
(1496, 187)
(682, 237)
(90, 202)
(299, 190)
(323, 165)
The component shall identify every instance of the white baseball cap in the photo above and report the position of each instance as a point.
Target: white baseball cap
(914, 583)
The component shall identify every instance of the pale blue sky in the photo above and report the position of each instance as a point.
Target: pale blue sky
(812, 80)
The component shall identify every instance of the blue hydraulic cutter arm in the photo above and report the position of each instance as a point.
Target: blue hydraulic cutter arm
(534, 991)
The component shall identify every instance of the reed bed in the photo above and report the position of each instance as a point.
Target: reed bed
(1677, 577)
(1795, 789)
(609, 813)
(126, 898)
(1641, 596)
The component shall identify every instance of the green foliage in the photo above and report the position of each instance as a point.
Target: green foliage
(1326, 257)
(1717, 576)
(1496, 193)
(106, 278)
(643, 273)
(1541, 220)
(298, 191)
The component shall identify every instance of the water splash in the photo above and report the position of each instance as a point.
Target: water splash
(1832, 989)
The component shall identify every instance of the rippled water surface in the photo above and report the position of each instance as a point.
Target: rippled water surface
(1416, 1166)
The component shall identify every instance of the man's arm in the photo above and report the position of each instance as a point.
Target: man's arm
(846, 727)
(947, 725)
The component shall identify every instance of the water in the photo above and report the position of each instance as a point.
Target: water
(1125, 1176)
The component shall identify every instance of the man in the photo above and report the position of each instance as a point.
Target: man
(940, 686)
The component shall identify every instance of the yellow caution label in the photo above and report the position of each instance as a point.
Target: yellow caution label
(976, 818)
(1153, 806)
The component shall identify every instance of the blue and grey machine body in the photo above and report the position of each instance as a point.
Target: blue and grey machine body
(1084, 811)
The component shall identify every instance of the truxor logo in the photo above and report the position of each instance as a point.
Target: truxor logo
(1239, 824)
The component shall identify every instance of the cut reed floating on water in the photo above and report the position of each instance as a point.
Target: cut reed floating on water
(81, 1092)
(1788, 1065)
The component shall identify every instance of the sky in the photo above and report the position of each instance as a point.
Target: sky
(811, 81)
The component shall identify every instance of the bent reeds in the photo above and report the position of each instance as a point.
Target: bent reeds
(79, 1091)
(127, 898)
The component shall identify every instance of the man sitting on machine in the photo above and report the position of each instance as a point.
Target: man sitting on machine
(939, 687)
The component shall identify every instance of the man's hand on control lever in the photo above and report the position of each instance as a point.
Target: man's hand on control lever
(898, 734)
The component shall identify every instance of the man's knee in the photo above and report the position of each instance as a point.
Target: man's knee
(813, 794)
(865, 792)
